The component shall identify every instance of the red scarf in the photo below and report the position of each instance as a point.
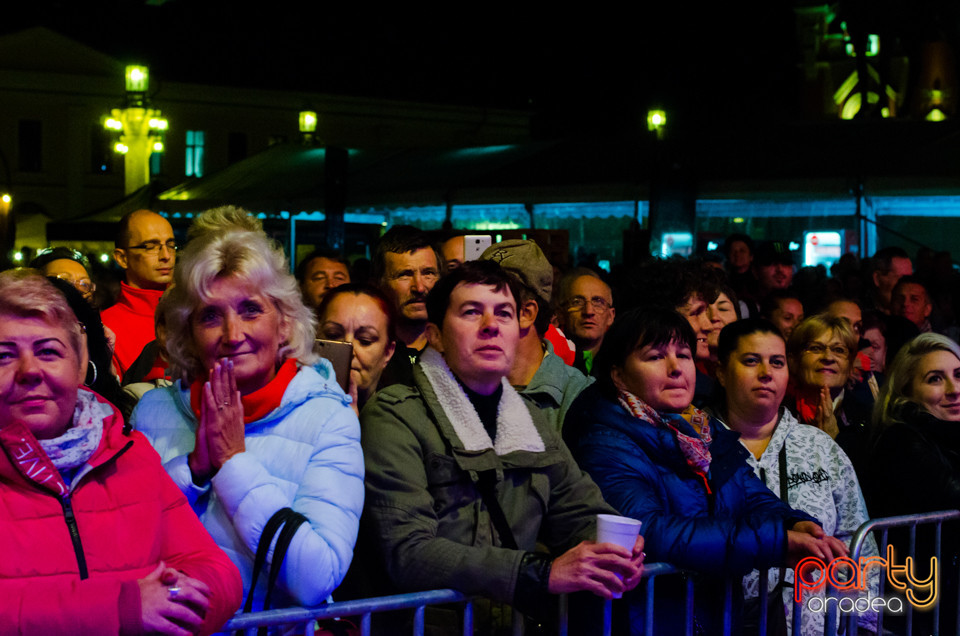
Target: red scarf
(258, 404)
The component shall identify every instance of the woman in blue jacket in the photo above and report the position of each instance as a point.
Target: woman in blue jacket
(255, 424)
(658, 459)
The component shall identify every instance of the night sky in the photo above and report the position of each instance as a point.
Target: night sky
(590, 71)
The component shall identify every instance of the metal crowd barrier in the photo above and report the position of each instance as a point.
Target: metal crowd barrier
(364, 608)
(303, 618)
(912, 522)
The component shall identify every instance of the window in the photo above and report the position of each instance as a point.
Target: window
(156, 164)
(29, 138)
(194, 161)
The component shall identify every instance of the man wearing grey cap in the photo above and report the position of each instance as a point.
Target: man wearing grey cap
(537, 373)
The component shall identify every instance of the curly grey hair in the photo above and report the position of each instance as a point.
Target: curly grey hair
(258, 261)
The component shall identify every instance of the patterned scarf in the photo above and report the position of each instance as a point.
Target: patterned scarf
(77, 445)
(695, 449)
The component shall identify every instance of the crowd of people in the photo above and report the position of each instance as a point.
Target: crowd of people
(201, 429)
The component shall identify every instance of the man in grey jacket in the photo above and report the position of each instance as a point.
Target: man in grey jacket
(464, 477)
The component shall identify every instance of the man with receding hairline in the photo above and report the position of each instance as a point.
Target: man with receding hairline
(147, 252)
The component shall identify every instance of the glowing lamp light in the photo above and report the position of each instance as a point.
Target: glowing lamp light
(712, 246)
(138, 78)
(793, 246)
(158, 146)
(157, 123)
(104, 258)
(738, 219)
(308, 121)
(18, 256)
(656, 120)
(112, 124)
(936, 115)
(122, 148)
(6, 198)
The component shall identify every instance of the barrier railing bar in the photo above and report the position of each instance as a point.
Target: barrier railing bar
(728, 607)
(936, 607)
(830, 617)
(468, 618)
(764, 594)
(689, 627)
(418, 621)
(607, 617)
(358, 607)
(564, 606)
(365, 624)
(648, 610)
(883, 580)
(797, 621)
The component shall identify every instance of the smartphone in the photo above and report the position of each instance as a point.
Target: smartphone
(474, 245)
(340, 355)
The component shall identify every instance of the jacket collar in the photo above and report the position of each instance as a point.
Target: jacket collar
(139, 301)
(515, 428)
(26, 455)
(308, 383)
(549, 379)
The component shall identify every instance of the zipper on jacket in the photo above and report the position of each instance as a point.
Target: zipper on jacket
(71, 518)
(74, 535)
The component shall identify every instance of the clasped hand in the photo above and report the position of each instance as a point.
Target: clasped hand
(220, 432)
(164, 613)
(605, 569)
(824, 418)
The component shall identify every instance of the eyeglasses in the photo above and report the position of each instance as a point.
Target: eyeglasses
(818, 349)
(84, 285)
(579, 303)
(153, 247)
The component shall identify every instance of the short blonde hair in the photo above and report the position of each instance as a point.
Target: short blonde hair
(25, 293)
(895, 393)
(257, 260)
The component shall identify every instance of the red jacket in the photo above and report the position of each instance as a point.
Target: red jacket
(128, 515)
(132, 319)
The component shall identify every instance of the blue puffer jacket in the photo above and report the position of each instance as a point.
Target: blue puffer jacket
(305, 454)
(642, 473)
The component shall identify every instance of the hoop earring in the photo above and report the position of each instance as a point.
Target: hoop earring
(93, 381)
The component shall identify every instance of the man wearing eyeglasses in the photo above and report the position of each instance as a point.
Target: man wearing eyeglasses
(147, 251)
(588, 312)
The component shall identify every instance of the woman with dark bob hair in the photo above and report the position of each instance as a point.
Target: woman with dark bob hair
(658, 459)
(251, 427)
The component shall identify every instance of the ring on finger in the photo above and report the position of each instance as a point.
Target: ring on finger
(173, 591)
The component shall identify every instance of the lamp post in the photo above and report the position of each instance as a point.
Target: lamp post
(140, 129)
(308, 126)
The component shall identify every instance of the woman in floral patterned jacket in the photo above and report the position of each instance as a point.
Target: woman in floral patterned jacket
(798, 462)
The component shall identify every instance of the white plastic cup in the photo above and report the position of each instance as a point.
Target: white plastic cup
(622, 531)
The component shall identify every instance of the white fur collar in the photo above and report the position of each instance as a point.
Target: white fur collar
(515, 428)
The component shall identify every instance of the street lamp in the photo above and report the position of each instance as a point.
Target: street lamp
(308, 125)
(656, 122)
(140, 129)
